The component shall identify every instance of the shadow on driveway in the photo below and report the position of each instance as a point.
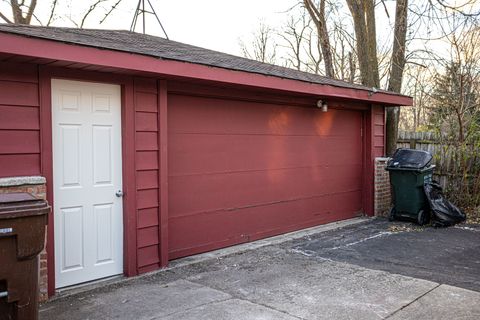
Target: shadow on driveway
(448, 256)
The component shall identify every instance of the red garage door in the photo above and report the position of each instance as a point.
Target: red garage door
(240, 171)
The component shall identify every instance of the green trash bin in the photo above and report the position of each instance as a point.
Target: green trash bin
(409, 171)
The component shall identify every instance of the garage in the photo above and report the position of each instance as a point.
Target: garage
(150, 150)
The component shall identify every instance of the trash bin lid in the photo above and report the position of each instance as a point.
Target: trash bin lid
(13, 205)
(410, 158)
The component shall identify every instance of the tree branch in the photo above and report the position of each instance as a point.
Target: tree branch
(110, 11)
(90, 10)
(5, 18)
(458, 8)
(31, 8)
(318, 17)
(52, 12)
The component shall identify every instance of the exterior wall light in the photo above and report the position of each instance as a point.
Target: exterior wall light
(322, 105)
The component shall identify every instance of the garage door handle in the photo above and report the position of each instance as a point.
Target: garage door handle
(119, 193)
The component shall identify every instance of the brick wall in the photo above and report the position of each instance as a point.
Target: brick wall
(382, 197)
(36, 186)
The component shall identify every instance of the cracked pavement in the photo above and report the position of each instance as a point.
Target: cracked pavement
(360, 271)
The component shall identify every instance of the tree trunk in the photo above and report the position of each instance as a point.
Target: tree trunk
(369, 6)
(364, 25)
(396, 73)
(18, 13)
(352, 67)
(318, 17)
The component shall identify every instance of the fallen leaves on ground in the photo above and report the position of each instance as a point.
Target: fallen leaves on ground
(473, 215)
(405, 227)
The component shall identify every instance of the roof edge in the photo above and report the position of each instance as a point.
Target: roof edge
(19, 44)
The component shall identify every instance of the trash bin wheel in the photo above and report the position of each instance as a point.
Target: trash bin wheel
(422, 217)
(391, 214)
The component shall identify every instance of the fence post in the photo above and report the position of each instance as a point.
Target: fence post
(413, 143)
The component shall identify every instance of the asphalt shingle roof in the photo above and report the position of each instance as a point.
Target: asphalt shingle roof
(143, 44)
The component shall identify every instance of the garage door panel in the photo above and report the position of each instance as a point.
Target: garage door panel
(212, 230)
(240, 171)
(210, 192)
(235, 117)
(227, 153)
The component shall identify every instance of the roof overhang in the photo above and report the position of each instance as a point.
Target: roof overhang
(55, 50)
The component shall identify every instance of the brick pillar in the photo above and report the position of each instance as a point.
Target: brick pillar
(382, 198)
(37, 187)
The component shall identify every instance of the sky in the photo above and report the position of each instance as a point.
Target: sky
(219, 24)
(212, 24)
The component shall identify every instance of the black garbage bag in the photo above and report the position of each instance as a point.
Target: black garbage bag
(444, 213)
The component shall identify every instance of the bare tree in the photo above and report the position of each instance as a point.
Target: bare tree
(293, 34)
(263, 47)
(456, 97)
(22, 12)
(396, 73)
(317, 15)
(343, 48)
(418, 84)
(363, 14)
(313, 52)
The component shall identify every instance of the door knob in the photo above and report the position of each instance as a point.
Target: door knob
(119, 193)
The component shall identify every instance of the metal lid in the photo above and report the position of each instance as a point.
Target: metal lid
(410, 158)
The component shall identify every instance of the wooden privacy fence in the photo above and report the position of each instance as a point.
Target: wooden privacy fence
(454, 163)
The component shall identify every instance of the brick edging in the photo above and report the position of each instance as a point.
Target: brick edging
(382, 197)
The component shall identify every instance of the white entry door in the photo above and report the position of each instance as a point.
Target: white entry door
(87, 174)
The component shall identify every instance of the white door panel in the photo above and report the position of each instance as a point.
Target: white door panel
(87, 166)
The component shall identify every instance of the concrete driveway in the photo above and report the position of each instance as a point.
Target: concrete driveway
(366, 269)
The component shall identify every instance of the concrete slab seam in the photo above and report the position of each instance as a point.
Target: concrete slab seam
(414, 300)
(192, 308)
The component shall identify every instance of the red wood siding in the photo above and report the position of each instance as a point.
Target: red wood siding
(239, 171)
(147, 174)
(19, 120)
(378, 114)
